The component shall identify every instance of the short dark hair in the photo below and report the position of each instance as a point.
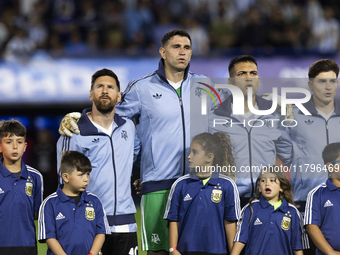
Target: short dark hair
(173, 33)
(331, 152)
(323, 65)
(11, 127)
(241, 59)
(74, 160)
(104, 72)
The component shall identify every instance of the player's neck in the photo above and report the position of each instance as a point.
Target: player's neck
(69, 192)
(103, 120)
(173, 75)
(325, 108)
(12, 166)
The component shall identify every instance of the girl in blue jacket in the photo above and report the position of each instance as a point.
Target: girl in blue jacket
(270, 223)
(203, 206)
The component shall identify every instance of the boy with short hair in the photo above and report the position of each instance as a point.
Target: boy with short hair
(322, 218)
(72, 220)
(21, 192)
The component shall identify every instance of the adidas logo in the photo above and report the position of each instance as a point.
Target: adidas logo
(328, 203)
(1, 191)
(187, 198)
(309, 122)
(95, 140)
(157, 96)
(60, 216)
(257, 222)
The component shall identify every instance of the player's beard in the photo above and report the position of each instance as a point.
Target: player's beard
(105, 108)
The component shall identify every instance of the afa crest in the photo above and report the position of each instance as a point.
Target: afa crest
(216, 195)
(285, 223)
(29, 188)
(89, 213)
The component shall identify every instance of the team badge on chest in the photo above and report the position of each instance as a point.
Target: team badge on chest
(285, 223)
(29, 187)
(89, 212)
(216, 194)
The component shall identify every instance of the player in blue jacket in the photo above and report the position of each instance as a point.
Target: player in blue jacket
(270, 223)
(258, 139)
(313, 132)
(322, 218)
(203, 206)
(110, 142)
(72, 220)
(21, 192)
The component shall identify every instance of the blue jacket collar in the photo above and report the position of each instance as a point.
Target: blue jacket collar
(64, 198)
(226, 110)
(310, 106)
(161, 73)
(86, 127)
(265, 204)
(330, 185)
(6, 173)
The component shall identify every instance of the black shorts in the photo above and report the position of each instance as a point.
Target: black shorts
(120, 244)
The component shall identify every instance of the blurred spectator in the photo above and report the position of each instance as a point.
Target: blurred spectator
(313, 11)
(223, 32)
(114, 40)
(55, 46)
(326, 32)
(89, 18)
(63, 18)
(37, 31)
(4, 34)
(19, 48)
(139, 24)
(92, 42)
(199, 36)
(254, 33)
(113, 14)
(277, 26)
(26, 6)
(161, 27)
(75, 46)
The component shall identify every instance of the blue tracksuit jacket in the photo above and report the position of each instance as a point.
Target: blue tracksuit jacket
(256, 147)
(310, 137)
(111, 158)
(163, 125)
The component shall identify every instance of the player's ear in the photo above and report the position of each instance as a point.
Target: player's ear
(65, 177)
(210, 157)
(119, 97)
(310, 84)
(162, 52)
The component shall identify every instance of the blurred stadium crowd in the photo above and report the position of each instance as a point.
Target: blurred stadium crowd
(218, 28)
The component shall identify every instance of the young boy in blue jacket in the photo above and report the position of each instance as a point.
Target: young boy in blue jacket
(322, 218)
(21, 192)
(72, 220)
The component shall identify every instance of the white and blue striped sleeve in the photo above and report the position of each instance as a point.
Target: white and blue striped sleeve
(46, 220)
(312, 210)
(173, 204)
(243, 225)
(231, 201)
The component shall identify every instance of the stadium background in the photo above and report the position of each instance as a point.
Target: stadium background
(50, 48)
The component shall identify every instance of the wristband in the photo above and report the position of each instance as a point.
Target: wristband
(90, 253)
(173, 249)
